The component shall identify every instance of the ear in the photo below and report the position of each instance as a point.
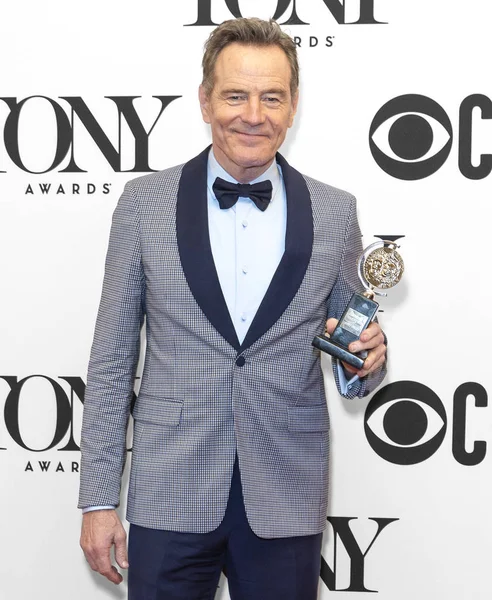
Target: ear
(295, 101)
(204, 103)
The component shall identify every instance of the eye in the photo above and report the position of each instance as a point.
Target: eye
(410, 137)
(405, 422)
(235, 98)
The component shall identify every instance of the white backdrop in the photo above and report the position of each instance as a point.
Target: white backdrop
(421, 489)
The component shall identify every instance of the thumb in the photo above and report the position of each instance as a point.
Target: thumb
(120, 551)
(330, 325)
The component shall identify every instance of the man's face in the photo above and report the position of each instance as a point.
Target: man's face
(249, 109)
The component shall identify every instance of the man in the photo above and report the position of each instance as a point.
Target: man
(231, 428)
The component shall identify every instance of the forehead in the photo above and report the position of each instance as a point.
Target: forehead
(254, 64)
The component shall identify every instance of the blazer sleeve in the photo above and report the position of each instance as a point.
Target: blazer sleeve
(347, 283)
(113, 361)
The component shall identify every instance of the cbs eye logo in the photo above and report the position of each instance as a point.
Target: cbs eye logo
(405, 423)
(411, 137)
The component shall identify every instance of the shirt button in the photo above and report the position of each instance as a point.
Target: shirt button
(244, 223)
(244, 316)
(240, 361)
(244, 269)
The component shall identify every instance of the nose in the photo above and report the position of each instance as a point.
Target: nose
(253, 113)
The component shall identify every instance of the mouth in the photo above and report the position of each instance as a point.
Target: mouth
(251, 134)
(250, 138)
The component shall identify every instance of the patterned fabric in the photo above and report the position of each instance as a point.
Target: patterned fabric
(203, 398)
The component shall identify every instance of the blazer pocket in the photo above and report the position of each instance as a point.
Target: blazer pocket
(309, 418)
(159, 411)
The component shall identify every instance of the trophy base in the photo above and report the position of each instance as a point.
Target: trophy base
(324, 344)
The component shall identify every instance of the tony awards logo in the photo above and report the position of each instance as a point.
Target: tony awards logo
(380, 267)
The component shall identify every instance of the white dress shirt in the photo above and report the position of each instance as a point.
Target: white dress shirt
(247, 244)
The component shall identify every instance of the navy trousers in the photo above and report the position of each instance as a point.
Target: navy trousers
(167, 565)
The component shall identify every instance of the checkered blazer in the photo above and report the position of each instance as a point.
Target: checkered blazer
(204, 396)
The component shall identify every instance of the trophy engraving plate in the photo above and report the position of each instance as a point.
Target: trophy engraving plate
(354, 321)
(380, 267)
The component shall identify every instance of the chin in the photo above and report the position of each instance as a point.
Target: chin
(252, 159)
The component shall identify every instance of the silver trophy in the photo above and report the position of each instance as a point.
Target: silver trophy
(380, 267)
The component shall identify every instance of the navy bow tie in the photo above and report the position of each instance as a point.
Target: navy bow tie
(228, 193)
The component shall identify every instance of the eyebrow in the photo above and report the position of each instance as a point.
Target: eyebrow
(233, 91)
(278, 91)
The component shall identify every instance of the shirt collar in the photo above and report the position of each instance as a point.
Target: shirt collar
(273, 173)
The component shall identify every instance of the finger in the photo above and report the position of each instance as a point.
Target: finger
(92, 563)
(105, 568)
(372, 330)
(373, 342)
(330, 325)
(349, 368)
(99, 559)
(374, 356)
(120, 551)
(377, 365)
(371, 366)
(112, 575)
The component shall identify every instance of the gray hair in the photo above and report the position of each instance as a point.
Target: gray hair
(249, 32)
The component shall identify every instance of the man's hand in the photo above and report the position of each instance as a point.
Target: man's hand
(102, 529)
(371, 339)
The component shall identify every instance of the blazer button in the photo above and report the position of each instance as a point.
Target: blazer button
(240, 361)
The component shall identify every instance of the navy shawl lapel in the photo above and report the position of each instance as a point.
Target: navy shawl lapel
(295, 260)
(196, 253)
(195, 250)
